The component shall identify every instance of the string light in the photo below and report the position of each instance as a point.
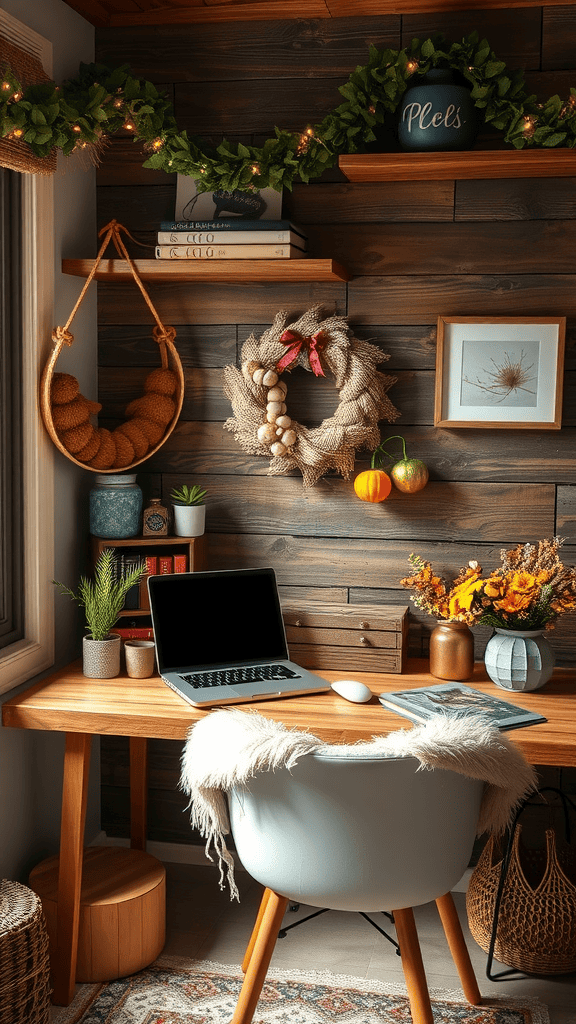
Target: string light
(76, 128)
(118, 104)
(529, 125)
(129, 125)
(6, 86)
(371, 109)
(255, 169)
(412, 66)
(17, 133)
(17, 96)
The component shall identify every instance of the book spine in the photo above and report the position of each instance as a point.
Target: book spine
(151, 570)
(180, 563)
(226, 252)
(135, 632)
(165, 565)
(232, 224)
(231, 238)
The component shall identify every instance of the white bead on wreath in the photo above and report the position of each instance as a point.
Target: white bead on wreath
(261, 422)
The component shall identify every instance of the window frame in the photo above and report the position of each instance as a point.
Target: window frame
(34, 653)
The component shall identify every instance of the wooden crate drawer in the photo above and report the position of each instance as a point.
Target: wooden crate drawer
(351, 637)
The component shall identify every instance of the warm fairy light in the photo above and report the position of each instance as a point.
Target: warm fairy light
(129, 125)
(255, 169)
(529, 125)
(412, 66)
(371, 109)
(17, 133)
(76, 128)
(6, 86)
(118, 104)
(157, 144)
(17, 96)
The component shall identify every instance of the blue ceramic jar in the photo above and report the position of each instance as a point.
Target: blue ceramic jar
(437, 114)
(115, 506)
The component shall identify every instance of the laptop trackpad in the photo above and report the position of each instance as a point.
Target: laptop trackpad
(265, 688)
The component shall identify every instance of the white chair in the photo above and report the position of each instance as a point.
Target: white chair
(356, 833)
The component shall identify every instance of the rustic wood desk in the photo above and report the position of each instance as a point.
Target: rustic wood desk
(148, 709)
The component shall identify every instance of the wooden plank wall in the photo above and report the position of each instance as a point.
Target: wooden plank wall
(417, 250)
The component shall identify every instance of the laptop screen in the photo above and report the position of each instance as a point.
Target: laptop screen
(204, 619)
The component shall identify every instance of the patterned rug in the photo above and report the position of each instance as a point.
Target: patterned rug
(178, 991)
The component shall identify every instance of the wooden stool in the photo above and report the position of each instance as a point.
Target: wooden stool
(122, 910)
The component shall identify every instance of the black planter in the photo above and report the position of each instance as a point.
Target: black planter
(436, 114)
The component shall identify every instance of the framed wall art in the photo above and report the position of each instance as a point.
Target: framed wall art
(500, 372)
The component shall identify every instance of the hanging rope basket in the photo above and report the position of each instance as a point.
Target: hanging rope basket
(150, 419)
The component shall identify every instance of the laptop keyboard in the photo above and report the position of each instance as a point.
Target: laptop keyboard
(231, 676)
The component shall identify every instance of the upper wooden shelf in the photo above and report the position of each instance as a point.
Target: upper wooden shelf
(502, 163)
(212, 271)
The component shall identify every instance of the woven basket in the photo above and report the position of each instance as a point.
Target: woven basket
(164, 336)
(536, 931)
(24, 961)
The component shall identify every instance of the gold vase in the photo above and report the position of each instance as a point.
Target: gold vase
(451, 651)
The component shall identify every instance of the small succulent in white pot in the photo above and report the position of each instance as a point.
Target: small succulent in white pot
(189, 510)
(103, 599)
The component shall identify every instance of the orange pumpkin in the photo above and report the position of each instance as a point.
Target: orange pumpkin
(373, 485)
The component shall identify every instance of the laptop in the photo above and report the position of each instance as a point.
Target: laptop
(220, 638)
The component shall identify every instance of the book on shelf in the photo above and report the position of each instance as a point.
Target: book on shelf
(135, 632)
(151, 570)
(281, 237)
(227, 252)
(456, 699)
(180, 563)
(236, 224)
(165, 565)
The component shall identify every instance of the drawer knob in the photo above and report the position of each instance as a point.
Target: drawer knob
(364, 640)
(364, 625)
(298, 622)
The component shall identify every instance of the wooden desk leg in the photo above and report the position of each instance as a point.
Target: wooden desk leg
(138, 791)
(74, 797)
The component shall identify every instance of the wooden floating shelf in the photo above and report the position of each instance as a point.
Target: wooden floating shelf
(513, 163)
(212, 271)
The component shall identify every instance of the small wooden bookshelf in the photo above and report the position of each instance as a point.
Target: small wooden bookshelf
(212, 271)
(193, 547)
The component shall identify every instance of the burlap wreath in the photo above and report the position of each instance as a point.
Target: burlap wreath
(261, 422)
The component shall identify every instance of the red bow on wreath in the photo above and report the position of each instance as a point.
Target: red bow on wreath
(313, 345)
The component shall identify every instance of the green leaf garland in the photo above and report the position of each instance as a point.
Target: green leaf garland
(100, 101)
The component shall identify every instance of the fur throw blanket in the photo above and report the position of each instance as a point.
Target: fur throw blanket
(226, 748)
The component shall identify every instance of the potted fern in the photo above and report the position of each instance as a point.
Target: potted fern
(103, 599)
(189, 510)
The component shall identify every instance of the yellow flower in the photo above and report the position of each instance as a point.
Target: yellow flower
(462, 596)
(522, 582)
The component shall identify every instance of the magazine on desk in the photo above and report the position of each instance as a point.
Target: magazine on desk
(456, 699)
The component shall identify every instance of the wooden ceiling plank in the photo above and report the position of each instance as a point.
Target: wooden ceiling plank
(127, 13)
(95, 13)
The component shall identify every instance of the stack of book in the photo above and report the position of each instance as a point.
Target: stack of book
(230, 239)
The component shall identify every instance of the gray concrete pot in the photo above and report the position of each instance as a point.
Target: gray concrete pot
(101, 658)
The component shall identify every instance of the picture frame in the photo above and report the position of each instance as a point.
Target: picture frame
(500, 372)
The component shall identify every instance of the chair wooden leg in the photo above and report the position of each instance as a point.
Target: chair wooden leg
(260, 956)
(458, 948)
(255, 930)
(413, 967)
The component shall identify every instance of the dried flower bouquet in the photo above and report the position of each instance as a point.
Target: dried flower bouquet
(528, 591)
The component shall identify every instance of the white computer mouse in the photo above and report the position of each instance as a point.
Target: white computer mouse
(352, 690)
